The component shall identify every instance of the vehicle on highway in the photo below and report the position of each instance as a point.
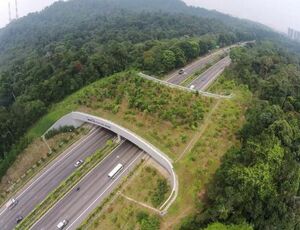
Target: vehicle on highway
(78, 163)
(62, 224)
(11, 203)
(192, 87)
(115, 171)
(181, 71)
(19, 219)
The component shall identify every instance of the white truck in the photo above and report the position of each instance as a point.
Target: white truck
(11, 203)
(115, 171)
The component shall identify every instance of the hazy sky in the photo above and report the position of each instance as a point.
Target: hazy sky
(279, 14)
(24, 6)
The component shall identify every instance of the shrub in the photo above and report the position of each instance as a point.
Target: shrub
(62, 129)
(160, 192)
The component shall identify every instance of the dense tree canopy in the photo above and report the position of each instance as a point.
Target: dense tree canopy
(258, 182)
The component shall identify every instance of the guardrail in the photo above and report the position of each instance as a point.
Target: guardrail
(206, 94)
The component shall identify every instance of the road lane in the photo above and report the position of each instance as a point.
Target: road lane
(76, 205)
(206, 78)
(52, 177)
(190, 69)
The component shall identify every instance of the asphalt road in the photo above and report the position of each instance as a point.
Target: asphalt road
(38, 189)
(177, 78)
(96, 185)
(206, 78)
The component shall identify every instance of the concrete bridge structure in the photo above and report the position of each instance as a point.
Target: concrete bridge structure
(76, 119)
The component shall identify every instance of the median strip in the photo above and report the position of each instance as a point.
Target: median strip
(194, 76)
(198, 73)
(66, 186)
(92, 217)
(15, 190)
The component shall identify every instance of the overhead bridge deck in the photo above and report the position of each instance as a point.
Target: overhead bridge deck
(76, 119)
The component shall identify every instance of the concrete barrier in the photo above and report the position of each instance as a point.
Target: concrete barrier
(78, 118)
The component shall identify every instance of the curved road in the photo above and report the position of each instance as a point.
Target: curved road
(52, 176)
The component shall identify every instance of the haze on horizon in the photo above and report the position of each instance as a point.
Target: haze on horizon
(278, 14)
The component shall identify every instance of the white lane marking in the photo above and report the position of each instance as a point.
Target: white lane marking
(101, 162)
(113, 182)
(59, 160)
(197, 62)
(213, 68)
(215, 75)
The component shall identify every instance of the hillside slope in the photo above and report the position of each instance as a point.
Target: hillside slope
(48, 55)
(63, 17)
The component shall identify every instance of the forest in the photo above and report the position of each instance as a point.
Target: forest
(46, 56)
(257, 183)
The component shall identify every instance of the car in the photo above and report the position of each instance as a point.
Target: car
(19, 219)
(192, 87)
(78, 163)
(11, 203)
(181, 71)
(62, 224)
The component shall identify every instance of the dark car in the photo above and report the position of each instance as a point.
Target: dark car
(181, 71)
(19, 219)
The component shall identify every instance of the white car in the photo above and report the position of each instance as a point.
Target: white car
(11, 203)
(192, 87)
(78, 163)
(62, 224)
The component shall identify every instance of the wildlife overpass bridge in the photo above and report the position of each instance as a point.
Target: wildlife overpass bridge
(76, 119)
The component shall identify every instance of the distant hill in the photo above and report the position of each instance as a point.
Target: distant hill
(62, 17)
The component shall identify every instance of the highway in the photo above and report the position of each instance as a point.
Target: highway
(190, 69)
(95, 186)
(50, 177)
(206, 78)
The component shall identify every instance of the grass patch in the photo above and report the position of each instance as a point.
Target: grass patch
(66, 186)
(95, 219)
(123, 214)
(161, 115)
(196, 169)
(117, 212)
(34, 158)
(154, 188)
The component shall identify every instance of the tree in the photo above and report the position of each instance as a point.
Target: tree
(190, 49)
(219, 226)
(168, 60)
